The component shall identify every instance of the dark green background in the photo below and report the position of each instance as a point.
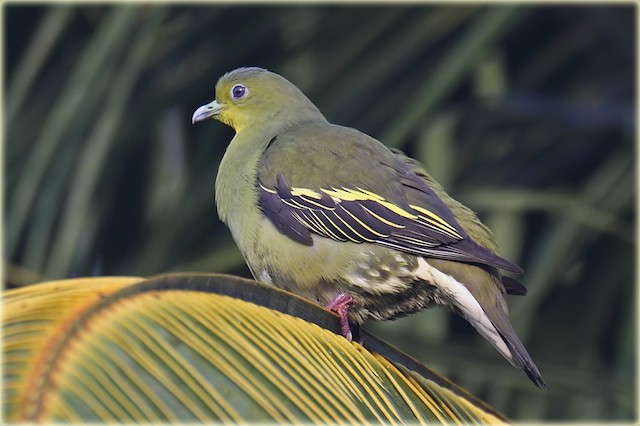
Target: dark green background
(526, 114)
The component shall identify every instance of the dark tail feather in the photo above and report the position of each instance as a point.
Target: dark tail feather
(513, 287)
(521, 358)
(525, 362)
(497, 314)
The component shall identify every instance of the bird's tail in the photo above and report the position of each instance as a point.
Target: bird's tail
(519, 357)
(476, 295)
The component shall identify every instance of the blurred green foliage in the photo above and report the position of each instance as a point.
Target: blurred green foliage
(526, 114)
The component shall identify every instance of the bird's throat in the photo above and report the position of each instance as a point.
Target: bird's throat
(235, 185)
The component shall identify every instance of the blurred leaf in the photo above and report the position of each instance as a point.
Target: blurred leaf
(492, 25)
(78, 86)
(39, 50)
(95, 153)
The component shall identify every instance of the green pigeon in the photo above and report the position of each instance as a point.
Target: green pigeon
(332, 214)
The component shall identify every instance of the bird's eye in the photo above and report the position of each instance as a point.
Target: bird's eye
(238, 91)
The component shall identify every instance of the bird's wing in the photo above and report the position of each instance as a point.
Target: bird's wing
(348, 187)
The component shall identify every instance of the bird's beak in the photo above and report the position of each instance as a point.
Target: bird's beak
(211, 109)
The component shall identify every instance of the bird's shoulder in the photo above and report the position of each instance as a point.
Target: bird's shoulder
(324, 155)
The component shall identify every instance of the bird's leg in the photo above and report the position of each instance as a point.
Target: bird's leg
(340, 305)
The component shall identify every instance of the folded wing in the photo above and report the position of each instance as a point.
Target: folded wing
(359, 216)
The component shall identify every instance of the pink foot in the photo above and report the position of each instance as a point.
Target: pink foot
(340, 305)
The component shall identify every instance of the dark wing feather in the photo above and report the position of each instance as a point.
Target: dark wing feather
(274, 207)
(333, 196)
(359, 217)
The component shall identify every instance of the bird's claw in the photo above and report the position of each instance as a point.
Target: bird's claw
(340, 305)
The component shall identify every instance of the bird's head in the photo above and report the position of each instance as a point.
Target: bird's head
(254, 96)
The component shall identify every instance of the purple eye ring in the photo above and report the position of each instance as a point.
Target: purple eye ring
(238, 91)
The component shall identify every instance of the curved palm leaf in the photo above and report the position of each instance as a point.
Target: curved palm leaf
(204, 348)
